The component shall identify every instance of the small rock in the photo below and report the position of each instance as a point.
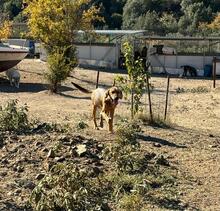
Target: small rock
(38, 144)
(21, 146)
(59, 159)
(64, 138)
(85, 141)
(211, 136)
(29, 185)
(17, 192)
(100, 146)
(81, 149)
(156, 145)
(5, 161)
(213, 146)
(40, 176)
(18, 168)
(45, 150)
(51, 154)
(14, 137)
(3, 174)
(162, 161)
(49, 165)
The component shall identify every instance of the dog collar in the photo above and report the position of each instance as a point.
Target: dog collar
(110, 96)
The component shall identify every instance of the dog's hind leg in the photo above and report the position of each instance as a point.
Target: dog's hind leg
(11, 83)
(94, 117)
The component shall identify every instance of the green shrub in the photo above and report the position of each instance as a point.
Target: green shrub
(68, 187)
(81, 125)
(131, 202)
(14, 118)
(60, 65)
(125, 152)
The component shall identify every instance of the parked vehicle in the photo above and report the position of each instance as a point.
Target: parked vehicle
(23, 44)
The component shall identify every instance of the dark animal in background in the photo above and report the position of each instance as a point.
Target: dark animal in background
(191, 70)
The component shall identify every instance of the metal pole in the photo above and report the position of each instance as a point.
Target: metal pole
(167, 95)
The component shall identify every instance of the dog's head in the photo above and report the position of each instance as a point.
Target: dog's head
(115, 94)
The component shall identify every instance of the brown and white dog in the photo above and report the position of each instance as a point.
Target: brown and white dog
(107, 100)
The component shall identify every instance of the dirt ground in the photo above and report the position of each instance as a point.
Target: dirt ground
(192, 144)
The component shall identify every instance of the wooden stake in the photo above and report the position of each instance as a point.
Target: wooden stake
(167, 95)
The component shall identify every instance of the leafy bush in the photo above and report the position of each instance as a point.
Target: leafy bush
(14, 118)
(81, 125)
(135, 82)
(61, 61)
(68, 188)
(125, 153)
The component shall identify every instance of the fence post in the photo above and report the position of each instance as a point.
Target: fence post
(132, 103)
(214, 72)
(149, 99)
(167, 95)
(97, 80)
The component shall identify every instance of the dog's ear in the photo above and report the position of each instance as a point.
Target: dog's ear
(113, 83)
(106, 94)
(120, 94)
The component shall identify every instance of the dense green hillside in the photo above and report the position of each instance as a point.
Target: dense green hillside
(158, 16)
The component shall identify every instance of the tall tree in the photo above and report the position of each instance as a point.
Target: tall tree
(193, 14)
(55, 23)
(111, 11)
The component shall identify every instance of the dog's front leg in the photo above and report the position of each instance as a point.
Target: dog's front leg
(94, 117)
(111, 121)
(105, 116)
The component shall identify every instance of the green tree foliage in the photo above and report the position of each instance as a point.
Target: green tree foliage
(193, 14)
(111, 11)
(163, 17)
(135, 82)
(186, 15)
(54, 23)
(134, 9)
(11, 7)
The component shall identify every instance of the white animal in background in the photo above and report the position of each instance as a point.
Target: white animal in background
(13, 76)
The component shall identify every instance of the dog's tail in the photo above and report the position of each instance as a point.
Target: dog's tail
(81, 88)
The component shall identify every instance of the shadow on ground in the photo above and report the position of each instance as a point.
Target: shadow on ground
(159, 141)
(171, 204)
(28, 87)
(7, 206)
